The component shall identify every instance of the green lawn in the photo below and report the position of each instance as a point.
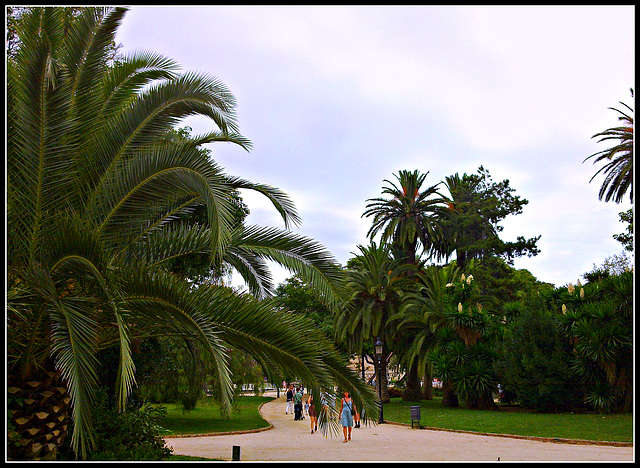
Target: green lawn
(206, 417)
(611, 427)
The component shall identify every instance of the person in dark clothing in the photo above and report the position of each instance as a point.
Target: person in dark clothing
(289, 400)
(297, 405)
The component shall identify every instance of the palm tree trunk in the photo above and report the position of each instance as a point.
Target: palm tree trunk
(381, 371)
(482, 402)
(449, 397)
(427, 388)
(412, 391)
(38, 415)
(461, 259)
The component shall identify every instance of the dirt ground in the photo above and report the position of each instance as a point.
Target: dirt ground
(290, 440)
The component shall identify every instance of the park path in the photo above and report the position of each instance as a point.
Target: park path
(291, 440)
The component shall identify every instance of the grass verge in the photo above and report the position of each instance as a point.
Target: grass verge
(594, 427)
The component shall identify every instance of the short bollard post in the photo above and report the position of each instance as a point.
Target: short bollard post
(236, 453)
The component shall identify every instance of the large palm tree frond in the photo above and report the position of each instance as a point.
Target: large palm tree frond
(298, 254)
(618, 169)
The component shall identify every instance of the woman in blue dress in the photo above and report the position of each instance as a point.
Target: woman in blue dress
(346, 418)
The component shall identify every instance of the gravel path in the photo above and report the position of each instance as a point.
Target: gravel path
(291, 440)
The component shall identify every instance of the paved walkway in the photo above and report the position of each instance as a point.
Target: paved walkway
(291, 440)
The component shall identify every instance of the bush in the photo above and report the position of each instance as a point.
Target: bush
(534, 363)
(394, 392)
(133, 434)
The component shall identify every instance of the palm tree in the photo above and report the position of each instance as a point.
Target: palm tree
(409, 219)
(450, 334)
(376, 287)
(597, 319)
(618, 168)
(420, 324)
(94, 182)
(462, 352)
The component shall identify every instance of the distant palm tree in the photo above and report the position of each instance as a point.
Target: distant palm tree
(421, 315)
(376, 286)
(94, 183)
(618, 168)
(408, 218)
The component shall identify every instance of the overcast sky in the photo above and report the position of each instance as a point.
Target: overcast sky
(337, 99)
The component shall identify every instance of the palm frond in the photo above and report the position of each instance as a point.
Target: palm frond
(132, 200)
(279, 199)
(298, 254)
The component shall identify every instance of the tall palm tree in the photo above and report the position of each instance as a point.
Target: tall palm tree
(376, 287)
(94, 183)
(618, 168)
(410, 219)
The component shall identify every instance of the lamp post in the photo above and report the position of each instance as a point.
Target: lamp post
(378, 347)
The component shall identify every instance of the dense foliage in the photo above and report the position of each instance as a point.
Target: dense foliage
(297, 296)
(96, 178)
(120, 228)
(534, 363)
(477, 322)
(478, 207)
(134, 434)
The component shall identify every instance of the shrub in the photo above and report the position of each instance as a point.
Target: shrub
(534, 363)
(394, 392)
(133, 434)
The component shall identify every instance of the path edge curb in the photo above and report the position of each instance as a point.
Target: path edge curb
(556, 440)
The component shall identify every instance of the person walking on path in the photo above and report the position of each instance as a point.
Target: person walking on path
(297, 405)
(356, 419)
(289, 400)
(346, 416)
(313, 416)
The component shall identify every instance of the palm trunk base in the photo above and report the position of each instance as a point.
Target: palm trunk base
(38, 417)
(412, 391)
(449, 397)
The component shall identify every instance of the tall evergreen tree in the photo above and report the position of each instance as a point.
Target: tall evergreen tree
(478, 205)
(376, 285)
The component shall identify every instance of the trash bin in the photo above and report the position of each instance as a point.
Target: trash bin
(415, 415)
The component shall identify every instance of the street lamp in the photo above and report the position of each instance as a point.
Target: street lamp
(378, 347)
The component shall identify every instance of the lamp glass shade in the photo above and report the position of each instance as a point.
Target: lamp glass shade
(378, 346)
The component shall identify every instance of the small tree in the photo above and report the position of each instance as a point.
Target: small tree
(626, 238)
(463, 355)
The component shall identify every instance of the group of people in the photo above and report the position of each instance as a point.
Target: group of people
(348, 413)
(294, 402)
